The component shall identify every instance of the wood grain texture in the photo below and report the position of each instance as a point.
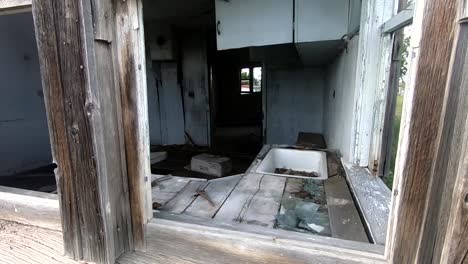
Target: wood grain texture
(165, 189)
(178, 242)
(24, 244)
(235, 205)
(30, 208)
(131, 67)
(434, 27)
(265, 203)
(449, 152)
(218, 190)
(184, 198)
(294, 237)
(455, 245)
(57, 36)
(83, 107)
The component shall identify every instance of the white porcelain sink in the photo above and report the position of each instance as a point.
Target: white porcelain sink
(293, 159)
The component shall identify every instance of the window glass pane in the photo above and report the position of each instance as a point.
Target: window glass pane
(245, 81)
(401, 75)
(257, 79)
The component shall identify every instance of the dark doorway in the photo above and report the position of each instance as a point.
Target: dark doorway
(237, 102)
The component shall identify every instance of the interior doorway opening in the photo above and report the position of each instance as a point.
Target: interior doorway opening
(25, 151)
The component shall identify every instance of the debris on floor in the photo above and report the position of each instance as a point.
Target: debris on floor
(292, 172)
(211, 164)
(306, 210)
(179, 157)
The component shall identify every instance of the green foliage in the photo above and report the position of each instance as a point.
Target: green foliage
(404, 58)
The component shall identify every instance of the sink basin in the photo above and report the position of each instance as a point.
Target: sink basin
(296, 160)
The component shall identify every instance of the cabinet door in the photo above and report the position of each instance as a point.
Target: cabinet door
(320, 20)
(245, 23)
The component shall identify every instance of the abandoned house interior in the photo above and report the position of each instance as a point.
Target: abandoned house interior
(225, 131)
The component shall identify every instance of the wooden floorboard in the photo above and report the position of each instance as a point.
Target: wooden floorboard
(345, 222)
(218, 191)
(167, 188)
(184, 197)
(265, 203)
(237, 202)
(29, 244)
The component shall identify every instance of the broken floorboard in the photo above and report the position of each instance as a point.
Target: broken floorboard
(255, 199)
(217, 190)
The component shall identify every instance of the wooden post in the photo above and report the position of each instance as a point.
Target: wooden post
(419, 151)
(131, 68)
(445, 222)
(91, 76)
(453, 246)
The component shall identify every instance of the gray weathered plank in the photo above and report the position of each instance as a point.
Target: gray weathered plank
(30, 208)
(345, 222)
(265, 204)
(236, 204)
(130, 67)
(446, 191)
(209, 244)
(184, 198)
(166, 189)
(61, 49)
(30, 245)
(217, 190)
(83, 109)
(373, 198)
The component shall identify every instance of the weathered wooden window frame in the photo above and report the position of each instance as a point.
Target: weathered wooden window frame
(379, 149)
(417, 183)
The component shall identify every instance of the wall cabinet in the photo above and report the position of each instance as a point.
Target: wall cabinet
(320, 20)
(247, 23)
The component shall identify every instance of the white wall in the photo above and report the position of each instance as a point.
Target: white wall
(24, 138)
(294, 103)
(339, 101)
